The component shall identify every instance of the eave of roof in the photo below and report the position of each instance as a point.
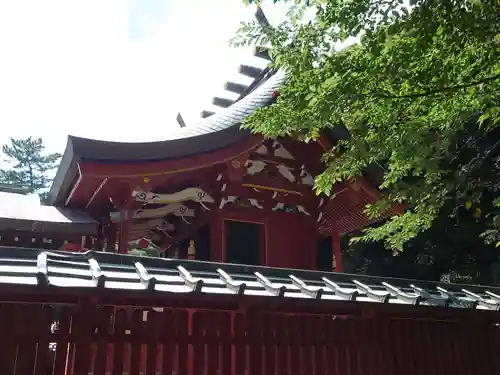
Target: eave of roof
(122, 272)
(215, 132)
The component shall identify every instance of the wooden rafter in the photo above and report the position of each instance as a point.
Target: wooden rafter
(275, 181)
(267, 196)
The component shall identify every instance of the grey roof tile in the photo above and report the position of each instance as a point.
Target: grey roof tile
(227, 118)
(113, 271)
(211, 133)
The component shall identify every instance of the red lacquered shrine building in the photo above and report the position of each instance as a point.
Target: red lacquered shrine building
(255, 295)
(239, 197)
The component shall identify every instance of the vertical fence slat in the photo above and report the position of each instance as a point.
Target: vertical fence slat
(43, 334)
(119, 341)
(419, 351)
(199, 325)
(436, 343)
(489, 360)
(254, 329)
(268, 327)
(318, 346)
(377, 346)
(372, 346)
(481, 353)
(358, 351)
(353, 345)
(306, 334)
(225, 321)
(293, 327)
(331, 347)
(168, 344)
(212, 339)
(386, 354)
(427, 348)
(152, 337)
(342, 344)
(467, 341)
(460, 349)
(456, 344)
(83, 338)
(470, 360)
(25, 337)
(444, 340)
(136, 337)
(8, 346)
(413, 347)
(407, 338)
(395, 344)
(282, 345)
(475, 351)
(182, 330)
(62, 331)
(101, 352)
(239, 333)
(494, 348)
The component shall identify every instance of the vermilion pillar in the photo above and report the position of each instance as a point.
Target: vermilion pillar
(124, 231)
(121, 198)
(336, 251)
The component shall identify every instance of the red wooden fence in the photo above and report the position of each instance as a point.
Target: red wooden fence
(105, 340)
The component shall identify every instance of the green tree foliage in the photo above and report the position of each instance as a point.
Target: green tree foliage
(455, 243)
(417, 91)
(29, 166)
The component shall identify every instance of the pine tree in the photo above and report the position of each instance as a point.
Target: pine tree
(29, 166)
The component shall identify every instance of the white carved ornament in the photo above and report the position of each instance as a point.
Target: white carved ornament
(176, 209)
(255, 166)
(233, 199)
(298, 208)
(262, 150)
(194, 194)
(281, 151)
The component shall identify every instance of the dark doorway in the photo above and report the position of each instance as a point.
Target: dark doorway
(243, 242)
(324, 253)
(202, 242)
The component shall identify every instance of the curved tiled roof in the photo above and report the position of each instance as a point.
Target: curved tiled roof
(125, 272)
(219, 130)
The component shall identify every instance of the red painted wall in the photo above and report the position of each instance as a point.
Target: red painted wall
(289, 238)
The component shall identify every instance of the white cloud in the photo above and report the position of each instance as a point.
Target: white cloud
(78, 67)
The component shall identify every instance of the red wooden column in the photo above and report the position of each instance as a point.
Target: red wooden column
(336, 252)
(123, 201)
(124, 230)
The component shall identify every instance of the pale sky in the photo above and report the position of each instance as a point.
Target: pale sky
(113, 69)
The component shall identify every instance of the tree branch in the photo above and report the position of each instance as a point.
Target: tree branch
(436, 91)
